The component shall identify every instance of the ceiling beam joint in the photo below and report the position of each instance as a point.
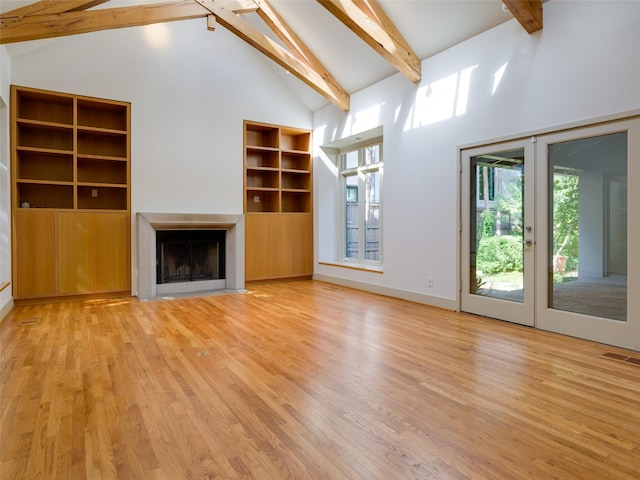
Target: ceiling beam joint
(320, 81)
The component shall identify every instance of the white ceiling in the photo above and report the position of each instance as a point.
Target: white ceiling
(429, 26)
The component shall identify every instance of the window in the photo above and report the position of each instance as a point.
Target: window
(361, 177)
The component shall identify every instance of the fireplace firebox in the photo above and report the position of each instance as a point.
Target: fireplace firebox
(190, 255)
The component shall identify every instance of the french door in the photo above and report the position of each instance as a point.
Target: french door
(547, 223)
(498, 237)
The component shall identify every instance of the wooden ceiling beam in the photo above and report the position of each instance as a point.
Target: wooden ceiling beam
(47, 7)
(35, 27)
(30, 24)
(296, 46)
(277, 24)
(527, 12)
(367, 20)
(327, 87)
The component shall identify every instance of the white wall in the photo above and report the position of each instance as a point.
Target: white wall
(5, 178)
(584, 64)
(188, 98)
(188, 103)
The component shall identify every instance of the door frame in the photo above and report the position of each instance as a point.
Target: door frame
(627, 336)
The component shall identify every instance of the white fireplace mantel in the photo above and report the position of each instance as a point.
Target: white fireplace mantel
(148, 223)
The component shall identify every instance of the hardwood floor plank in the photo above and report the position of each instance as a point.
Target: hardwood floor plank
(305, 380)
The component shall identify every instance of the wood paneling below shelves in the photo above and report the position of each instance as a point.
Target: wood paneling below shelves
(112, 260)
(34, 273)
(278, 245)
(76, 235)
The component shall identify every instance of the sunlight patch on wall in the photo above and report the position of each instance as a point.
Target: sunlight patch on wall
(330, 160)
(157, 35)
(361, 121)
(497, 77)
(326, 155)
(440, 100)
(396, 114)
(319, 132)
(464, 82)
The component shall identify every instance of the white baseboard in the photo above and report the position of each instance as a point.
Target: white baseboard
(439, 302)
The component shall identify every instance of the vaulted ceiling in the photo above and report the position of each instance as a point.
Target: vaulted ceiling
(335, 47)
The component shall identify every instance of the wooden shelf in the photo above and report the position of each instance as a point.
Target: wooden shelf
(102, 143)
(296, 161)
(263, 178)
(279, 158)
(46, 107)
(96, 197)
(295, 140)
(68, 138)
(278, 202)
(44, 195)
(262, 200)
(296, 201)
(262, 158)
(98, 114)
(44, 136)
(92, 170)
(36, 164)
(295, 181)
(259, 135)
(70, 158)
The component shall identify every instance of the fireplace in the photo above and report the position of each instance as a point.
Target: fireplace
(213, 259)
(190, 255)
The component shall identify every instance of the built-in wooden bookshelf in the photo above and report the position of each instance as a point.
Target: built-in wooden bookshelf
(278, 169)
(278, 191)
(70, 158)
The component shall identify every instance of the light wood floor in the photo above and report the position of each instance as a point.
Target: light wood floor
(306, 380)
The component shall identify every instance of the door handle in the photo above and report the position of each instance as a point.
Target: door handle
(528, 242)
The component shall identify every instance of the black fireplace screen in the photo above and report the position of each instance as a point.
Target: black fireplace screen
(190, 255)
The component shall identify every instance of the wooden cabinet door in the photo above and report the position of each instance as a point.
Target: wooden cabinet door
(279, 246)
(76, 259)
(34, 253)
(112, 263)
(257, 246)
(301, 244)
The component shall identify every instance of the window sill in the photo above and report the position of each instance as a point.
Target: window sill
(356, 266)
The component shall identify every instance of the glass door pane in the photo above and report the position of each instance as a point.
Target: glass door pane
(497, 233)
(587, 252)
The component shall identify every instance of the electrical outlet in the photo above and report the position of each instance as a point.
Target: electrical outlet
(94, 192)
(256, 199)
(429, 281)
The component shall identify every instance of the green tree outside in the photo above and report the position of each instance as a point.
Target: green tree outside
(504, 253)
